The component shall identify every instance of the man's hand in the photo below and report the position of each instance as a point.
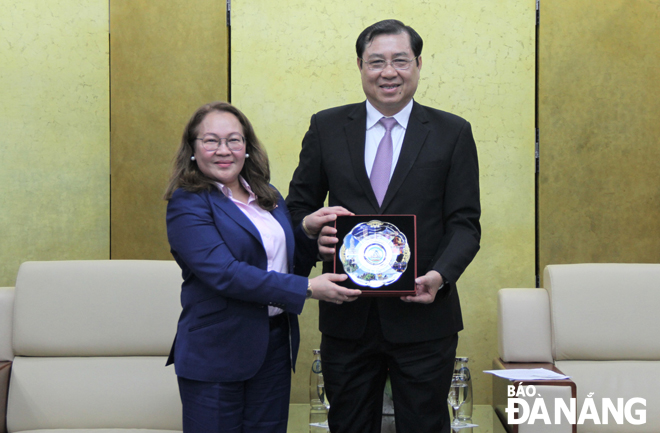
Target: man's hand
(426, 287)
(313, 222)
(327, 242)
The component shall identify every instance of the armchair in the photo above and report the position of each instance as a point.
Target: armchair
(90, 341)
(598, 324)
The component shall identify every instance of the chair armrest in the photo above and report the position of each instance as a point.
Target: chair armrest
(5, 369)
(6, 318)
(555, 387)
(523, 322)
(6, 352)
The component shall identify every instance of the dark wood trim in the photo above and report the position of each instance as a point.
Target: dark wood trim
(5, 370)
(500, 384)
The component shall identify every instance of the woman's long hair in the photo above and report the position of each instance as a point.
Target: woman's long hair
(256, 171)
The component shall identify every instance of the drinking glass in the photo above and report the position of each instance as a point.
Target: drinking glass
(320, 389)
(457, 395)
(321, 425)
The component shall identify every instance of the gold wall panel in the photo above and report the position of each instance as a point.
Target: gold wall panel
(167, 58)
(54, 132)
(599, 105)
(291, 59)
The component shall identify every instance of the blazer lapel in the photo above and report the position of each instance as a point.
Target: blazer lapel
(413, 141)
(355, 131)
(232, 211)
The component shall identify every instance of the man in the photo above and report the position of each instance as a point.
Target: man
(431, 170)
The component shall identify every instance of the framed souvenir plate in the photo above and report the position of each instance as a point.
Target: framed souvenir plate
(378, 253)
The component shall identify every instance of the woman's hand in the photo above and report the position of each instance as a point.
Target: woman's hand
(313, 222)
(324, 289)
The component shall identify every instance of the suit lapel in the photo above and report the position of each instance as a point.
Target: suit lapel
(416, 134)
(355, 131)
(232, 211)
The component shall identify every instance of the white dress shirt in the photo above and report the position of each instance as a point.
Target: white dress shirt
(376, 131)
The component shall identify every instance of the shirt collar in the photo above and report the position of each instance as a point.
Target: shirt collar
(227, 192)
(402, 117)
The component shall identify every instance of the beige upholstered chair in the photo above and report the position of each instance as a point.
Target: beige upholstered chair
(598, 324)
(88, 342)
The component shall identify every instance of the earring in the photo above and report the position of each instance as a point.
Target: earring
(192, 158)
(247, 155)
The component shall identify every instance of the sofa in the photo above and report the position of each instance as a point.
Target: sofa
(598, 324)
(83, 346)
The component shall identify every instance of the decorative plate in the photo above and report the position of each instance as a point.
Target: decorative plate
(374, 254)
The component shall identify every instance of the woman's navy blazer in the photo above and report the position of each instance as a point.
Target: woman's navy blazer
(223, 330)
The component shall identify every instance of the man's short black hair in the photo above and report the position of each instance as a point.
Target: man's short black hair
(388, 27)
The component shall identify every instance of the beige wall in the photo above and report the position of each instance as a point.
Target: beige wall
(55, 121)
(599, 111)
(292, 58)
(167, 59)
(54, 132)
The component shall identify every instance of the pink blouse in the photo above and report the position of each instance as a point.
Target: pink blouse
(272, 233)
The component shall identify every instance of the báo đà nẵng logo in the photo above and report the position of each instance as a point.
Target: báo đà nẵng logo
(519, 410)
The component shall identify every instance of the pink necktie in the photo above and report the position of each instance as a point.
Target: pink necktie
(380, 172)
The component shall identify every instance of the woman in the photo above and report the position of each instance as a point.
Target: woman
(231, 234)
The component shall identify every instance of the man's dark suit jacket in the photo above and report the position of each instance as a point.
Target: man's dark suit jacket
(436, 178)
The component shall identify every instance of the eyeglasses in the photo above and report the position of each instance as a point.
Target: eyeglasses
(234, 142)
(380, 64)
